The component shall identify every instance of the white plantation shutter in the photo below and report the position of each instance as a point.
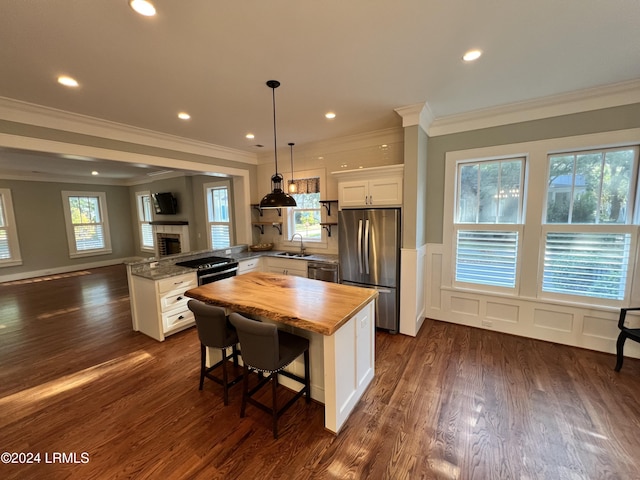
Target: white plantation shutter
(487, 257)
(589, 264)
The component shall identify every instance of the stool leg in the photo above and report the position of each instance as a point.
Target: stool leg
(203, 359)
(234, 348)
(274, 388)
(619, 350)
(225, 381)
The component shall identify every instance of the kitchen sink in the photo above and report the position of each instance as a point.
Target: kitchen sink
(293, 254)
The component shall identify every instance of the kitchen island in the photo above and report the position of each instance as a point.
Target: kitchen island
(338, 320)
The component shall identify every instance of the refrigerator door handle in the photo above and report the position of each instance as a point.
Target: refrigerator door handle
(360, 245)
(366, 246)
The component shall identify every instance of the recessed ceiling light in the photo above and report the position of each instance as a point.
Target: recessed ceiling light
(330, 115)
(471, 55)
(95, 172)
(184, 116)
(143, 7)
(250, 136)
(67, 81)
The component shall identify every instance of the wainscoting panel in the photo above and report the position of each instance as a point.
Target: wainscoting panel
(587, 326)
(412, 290)
(502, 312)
(553, 320)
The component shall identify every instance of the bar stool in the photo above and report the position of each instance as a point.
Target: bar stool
(266, 349)
(215, 331)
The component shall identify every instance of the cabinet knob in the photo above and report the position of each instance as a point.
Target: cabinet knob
(179, 298)
(180, 317)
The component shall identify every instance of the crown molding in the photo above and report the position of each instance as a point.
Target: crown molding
(128, 182)
(417, 114)
(38, 115)
(339, 144)
(624, 93)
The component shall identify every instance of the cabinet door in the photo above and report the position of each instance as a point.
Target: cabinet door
(287, 266)
(353, 193)
(385, 191)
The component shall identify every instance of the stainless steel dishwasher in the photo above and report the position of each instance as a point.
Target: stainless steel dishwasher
(327, 272)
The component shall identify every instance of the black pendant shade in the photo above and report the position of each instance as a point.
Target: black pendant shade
(277, 198)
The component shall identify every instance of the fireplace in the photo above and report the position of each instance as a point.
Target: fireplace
(171, 238)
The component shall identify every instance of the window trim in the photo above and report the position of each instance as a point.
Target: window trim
(140, 220)
(517, 226)
(323, 242)
(104, 215)
(206, 188)
(12, 230)
(532, 253)
(630, 228)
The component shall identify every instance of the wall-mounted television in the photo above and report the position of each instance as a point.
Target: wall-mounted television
(165, 203)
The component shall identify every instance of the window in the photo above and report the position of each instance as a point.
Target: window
(9, 247)
(87, 225)
(218, 217)
(305, 218)
(587, 230)
(488, 221)
(144, 206)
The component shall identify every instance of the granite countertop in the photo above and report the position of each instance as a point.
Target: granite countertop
(320, 307)
(312, 257)
(166, 267)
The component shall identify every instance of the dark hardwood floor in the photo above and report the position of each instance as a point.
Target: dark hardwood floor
(453, 403)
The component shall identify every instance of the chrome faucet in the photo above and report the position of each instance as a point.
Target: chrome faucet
(301, 245)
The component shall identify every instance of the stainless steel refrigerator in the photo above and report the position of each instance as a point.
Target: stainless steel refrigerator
(369, 255)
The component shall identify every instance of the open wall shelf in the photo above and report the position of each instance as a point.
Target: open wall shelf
(260, 226)
(256, 206)
(327, 204)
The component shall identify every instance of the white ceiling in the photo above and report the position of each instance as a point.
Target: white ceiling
(359, 58)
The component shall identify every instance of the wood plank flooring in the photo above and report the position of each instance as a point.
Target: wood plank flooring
(452, 403)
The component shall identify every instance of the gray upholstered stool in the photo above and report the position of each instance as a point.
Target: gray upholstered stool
(215, 331)
(268, 350)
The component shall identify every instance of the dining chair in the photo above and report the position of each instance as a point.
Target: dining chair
(267, 350)
(215, 331)
(625, 332)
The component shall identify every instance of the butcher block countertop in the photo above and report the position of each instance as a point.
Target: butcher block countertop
(313, 305)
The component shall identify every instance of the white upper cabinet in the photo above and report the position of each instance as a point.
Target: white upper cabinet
(370, 187)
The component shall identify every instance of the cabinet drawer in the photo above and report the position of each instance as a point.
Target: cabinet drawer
(245, 266)
(175, 299)
(177, 319)
(182, 282)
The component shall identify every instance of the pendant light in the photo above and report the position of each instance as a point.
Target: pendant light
(292, 183)
(277, 198)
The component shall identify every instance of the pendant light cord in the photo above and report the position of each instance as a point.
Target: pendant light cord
(291, 147)
(275, 138)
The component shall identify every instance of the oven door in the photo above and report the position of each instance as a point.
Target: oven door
(215, 274)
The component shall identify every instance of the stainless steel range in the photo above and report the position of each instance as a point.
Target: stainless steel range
(212, 269)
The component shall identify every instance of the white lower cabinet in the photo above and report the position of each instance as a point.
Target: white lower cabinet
(287, 266)
(159, 307)
(249, 265)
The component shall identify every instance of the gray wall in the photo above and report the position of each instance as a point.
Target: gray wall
(415, 187)
(42, 234)
(609, 119)
(181, 188)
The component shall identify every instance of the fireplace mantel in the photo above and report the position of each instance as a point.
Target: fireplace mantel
(169, 222)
